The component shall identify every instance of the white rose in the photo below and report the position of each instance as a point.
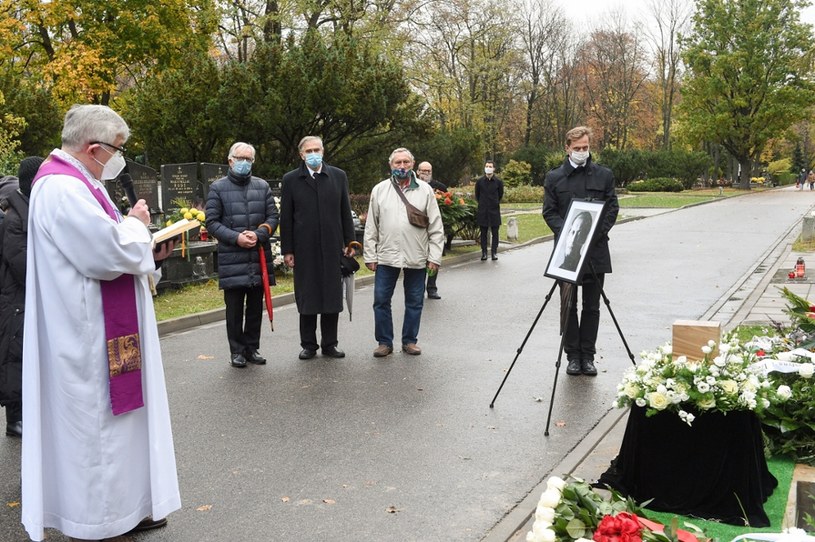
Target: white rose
(706, 350)
(549, 498)
(631, 390)
(706, 403)
(530, 537)
(806, 370)
(784, 392)
(545, 515)
(543, 534)
(730, 387)
(658, 401)
(555, 482)
(720, 361)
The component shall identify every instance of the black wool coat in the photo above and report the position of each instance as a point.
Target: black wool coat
(592, 181)
(236, 204)
(488, 194)
(13, 245)
(315, 226)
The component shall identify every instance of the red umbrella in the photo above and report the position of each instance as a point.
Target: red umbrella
(266, 289)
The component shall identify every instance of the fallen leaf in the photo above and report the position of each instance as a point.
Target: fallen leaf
(203, 356)
(420, 389)
(329, 501)
(285, 499)
(560, 424)
(305, 501)
(13, 504)
(204, 508)
(538, 399)
(391, 509)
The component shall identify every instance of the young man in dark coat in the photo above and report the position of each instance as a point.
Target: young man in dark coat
(13, 250)
(489, 191)
(580, 178)
(316, 228)
(242, 216)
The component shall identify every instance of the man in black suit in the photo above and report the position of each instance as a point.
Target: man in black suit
(580, 178)
(316, 228)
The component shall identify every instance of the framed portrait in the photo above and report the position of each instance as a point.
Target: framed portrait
(568, 261)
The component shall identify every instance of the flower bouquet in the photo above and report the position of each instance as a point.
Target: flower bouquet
(572, 511)
(457, 212)
(183, 211)
(723, 383)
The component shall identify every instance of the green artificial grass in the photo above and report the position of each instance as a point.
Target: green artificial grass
(775, 507)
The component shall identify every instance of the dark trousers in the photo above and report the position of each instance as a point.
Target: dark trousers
(494, 231)
(431, 283)
(581, 336)
(328, 331)
(14, 412)
(244, 312)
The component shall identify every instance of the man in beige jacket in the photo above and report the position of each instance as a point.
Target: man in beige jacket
(392, 245)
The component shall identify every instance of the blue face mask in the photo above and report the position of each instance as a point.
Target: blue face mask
(400, 173)
(314, 160)
(242, 167)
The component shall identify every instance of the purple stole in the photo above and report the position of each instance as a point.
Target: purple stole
(119, 309)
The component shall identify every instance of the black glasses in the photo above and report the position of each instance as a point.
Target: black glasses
(121, 150)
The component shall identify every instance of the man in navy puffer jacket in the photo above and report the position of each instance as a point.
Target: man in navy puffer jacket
(242, 216)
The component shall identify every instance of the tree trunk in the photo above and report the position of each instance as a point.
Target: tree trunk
(745, 170)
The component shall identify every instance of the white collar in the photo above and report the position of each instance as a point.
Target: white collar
(78, 165)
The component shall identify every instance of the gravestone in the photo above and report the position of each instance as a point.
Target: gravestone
(179, 182)
(145, 184)
(277, 187)
(211, 173)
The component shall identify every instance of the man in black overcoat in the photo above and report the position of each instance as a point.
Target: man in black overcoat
(489, 191)
(580, 178)
(316, 228)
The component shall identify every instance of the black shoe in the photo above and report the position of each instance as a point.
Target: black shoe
(14, 429)
(574, 367)
(483, 256)
(238, 360)
(433, 295)
(148, 523)
(333, 352)
(305, 353)
(494, 256)
(253, 356)
(588, 368)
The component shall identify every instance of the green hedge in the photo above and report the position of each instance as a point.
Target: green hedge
(659, 184)
(523, 194)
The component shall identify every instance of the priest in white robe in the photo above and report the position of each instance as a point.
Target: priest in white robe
(97, 457)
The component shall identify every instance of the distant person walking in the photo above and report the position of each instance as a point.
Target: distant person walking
(811, 179)
(242, 216)
(580, 178)
(316, 228)
(489, 191)
(425, 172)
(394, 246)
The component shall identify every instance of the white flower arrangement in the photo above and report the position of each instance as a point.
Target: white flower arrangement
(722, 383)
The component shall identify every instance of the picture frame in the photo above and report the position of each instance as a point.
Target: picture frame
(569, 261)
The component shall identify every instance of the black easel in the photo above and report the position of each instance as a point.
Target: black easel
(565, 309)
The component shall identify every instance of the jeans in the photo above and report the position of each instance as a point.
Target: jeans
(580, 339)
(384, 285)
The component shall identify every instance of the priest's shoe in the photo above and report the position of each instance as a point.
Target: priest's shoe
(253, 356)
(238, 360)
(588, 368)
(333, 352)
(148, 523)
(305, 353)
(14, 429)
(574, 367)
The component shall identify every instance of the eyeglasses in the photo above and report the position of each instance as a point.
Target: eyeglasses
(243, 159)
(121, 150)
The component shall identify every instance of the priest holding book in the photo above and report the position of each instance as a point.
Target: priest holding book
(97, 457)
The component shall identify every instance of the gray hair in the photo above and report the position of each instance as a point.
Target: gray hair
(238, 145)
(307, 139)
(87, 123)
(397, 151)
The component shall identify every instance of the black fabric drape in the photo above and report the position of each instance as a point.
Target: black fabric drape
(714, 470)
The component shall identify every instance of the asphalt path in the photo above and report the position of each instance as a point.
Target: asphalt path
(406, 448)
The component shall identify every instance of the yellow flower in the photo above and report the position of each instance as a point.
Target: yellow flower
(184, 211)
(201, 217)
(169, 223)
(187, 215)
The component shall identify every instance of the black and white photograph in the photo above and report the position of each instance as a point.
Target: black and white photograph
(569, 255)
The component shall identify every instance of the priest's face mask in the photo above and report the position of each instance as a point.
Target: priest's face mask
(113, 163)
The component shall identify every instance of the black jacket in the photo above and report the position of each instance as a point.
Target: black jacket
(315, 226)
(13, 243)
(489, 193)
(565, 183)
(235, 204)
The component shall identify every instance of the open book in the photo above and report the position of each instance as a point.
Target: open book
(174, 229)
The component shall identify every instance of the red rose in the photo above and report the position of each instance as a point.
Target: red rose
(624, 527)
(448, 201)
(761, 353)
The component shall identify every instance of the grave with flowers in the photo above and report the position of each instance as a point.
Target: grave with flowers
(695, 442)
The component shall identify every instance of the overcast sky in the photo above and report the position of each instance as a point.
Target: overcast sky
(593, 10)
